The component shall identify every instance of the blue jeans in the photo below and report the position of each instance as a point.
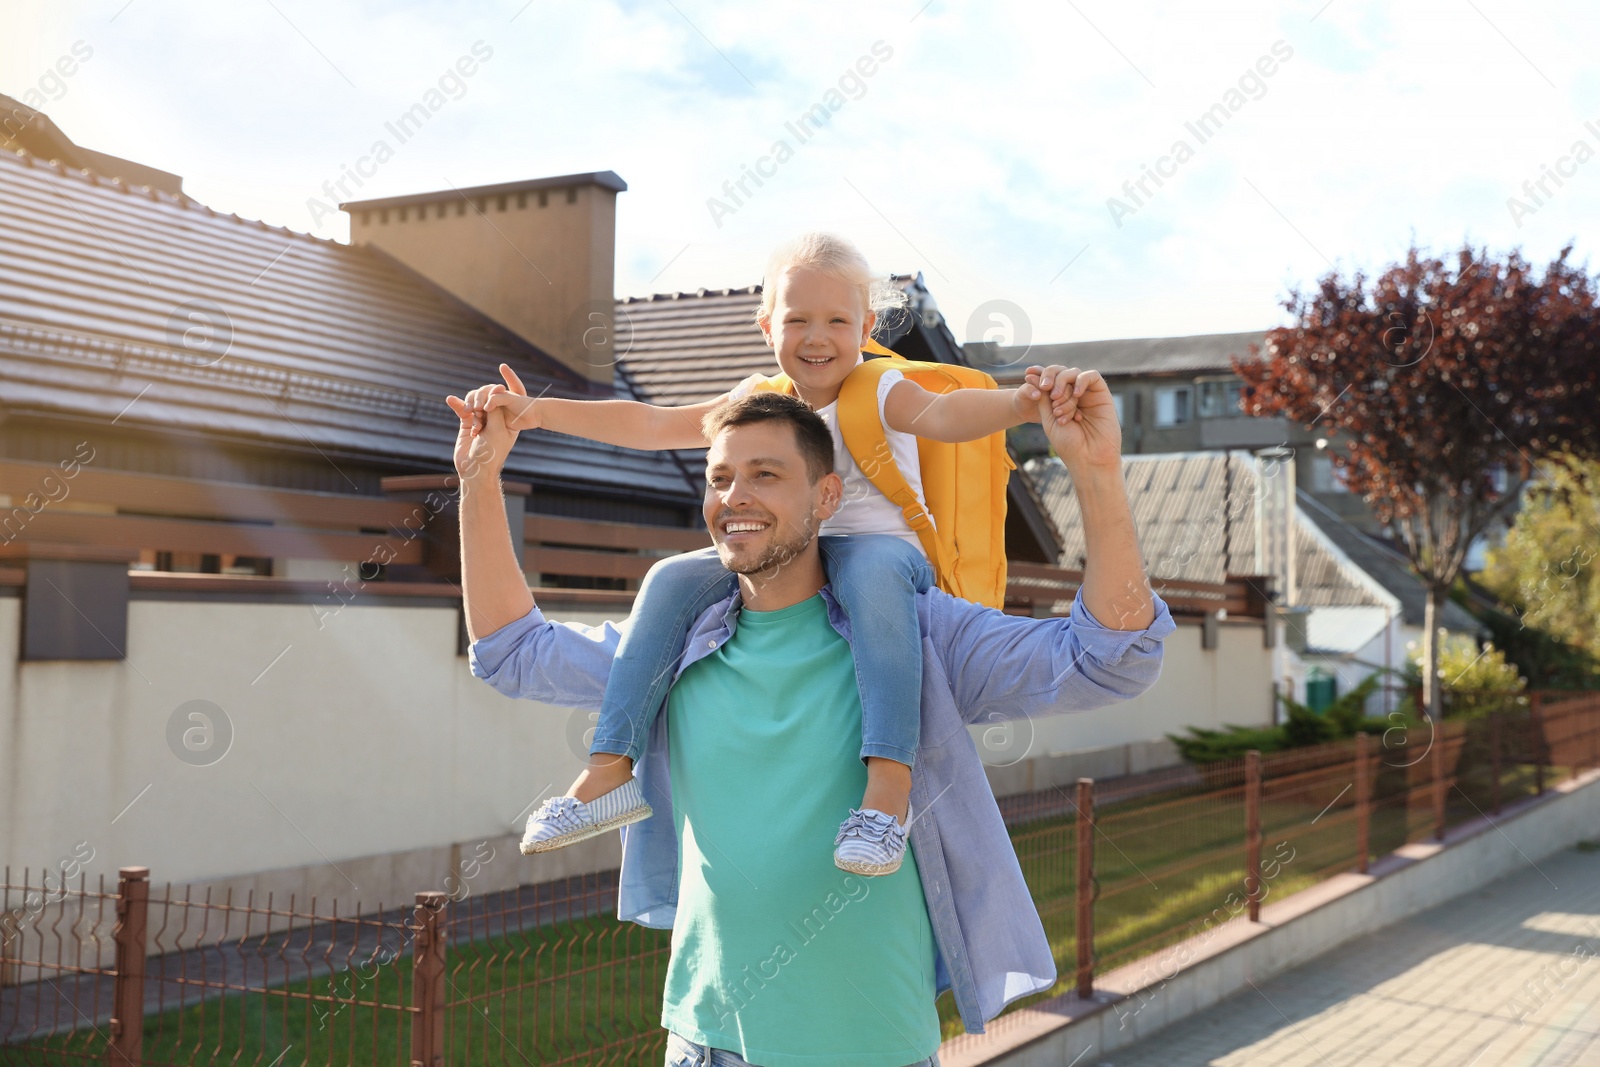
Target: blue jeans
(681, 1052)
(875, 578)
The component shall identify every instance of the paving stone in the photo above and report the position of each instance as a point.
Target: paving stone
(1506, 976)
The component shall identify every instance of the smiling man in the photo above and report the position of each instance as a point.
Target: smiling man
(779, 959)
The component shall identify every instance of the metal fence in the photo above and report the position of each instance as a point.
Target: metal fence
(130, 975)
(1167, 858)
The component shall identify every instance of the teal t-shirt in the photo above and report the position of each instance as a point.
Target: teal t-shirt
(777, 954)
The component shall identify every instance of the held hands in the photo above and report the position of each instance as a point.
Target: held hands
(491, 417)
(1078, 414)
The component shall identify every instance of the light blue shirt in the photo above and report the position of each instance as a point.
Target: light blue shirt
(980, 665)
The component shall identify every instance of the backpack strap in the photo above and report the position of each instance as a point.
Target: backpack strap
(861, 426)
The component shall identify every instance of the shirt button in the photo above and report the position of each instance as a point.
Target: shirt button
(711, 644)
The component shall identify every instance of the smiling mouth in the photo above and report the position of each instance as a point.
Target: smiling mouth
(740, 527)
(817, 361)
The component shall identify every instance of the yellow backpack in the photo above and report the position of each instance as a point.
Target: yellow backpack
(963, 483)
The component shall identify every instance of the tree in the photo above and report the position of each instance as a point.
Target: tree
(1476, 680)
(1546, 570)
(1448, 384)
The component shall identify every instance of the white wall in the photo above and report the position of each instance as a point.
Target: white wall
(367, 739)
(1198, 687)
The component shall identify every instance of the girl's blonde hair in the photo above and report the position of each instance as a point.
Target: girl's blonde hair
(833, 256)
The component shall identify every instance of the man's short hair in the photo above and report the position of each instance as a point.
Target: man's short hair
(810, 432)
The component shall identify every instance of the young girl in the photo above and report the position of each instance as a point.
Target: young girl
(818, 307)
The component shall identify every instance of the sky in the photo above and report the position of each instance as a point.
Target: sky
(996, 148)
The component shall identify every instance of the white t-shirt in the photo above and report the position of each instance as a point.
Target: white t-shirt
(864, 509)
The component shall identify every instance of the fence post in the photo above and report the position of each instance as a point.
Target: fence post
(1536, 725)
(427, 981)
(1436, 764)
(127, 991)
(1363, 802)
(1494, 763)
(1252, 831)
(1085, 888)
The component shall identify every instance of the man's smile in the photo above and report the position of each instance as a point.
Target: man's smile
(742, 529)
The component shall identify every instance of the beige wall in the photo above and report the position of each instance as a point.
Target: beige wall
(536, 270)
(367, 750)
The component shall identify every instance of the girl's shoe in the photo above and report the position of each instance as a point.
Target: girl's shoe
(562, 821)
(870, 842)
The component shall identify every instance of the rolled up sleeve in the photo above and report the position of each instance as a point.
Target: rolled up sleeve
(564, 664)
(1004, 666)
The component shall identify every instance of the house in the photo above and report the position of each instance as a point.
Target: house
(1180, 394)
(1365, 606)
(180, 341)
(1350, 602)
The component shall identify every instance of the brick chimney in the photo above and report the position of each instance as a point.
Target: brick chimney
(536, 256)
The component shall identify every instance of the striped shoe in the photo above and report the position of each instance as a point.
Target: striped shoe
(870, 842)
(562, 821)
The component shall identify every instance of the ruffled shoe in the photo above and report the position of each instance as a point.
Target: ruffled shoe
(563, 821)
(870, 843)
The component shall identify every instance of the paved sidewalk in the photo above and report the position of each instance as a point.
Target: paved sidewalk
(1508, 976)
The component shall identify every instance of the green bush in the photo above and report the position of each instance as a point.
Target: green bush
(1345, 717)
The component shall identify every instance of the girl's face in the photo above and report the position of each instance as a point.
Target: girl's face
(817, 329)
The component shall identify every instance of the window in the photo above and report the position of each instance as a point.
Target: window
(1220, 400)
(1116, 402)
(1325, 477)
(1172, 406)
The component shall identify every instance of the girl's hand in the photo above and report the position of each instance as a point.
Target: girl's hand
(1025, 397)
(521, 410)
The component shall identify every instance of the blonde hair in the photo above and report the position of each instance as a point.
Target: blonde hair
(837, 258)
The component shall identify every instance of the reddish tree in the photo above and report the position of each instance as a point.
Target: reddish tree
(1447, 383)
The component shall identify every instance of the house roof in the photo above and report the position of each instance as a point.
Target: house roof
(685, 348)
(1344, 631)
(23, 127)
(1193, 511)
(1120, 357)
(1325, 578)
(1196, 520)
(1385, 565)
(106, 286)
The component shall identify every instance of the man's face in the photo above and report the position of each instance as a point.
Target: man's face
(817, 328)
(760, 506)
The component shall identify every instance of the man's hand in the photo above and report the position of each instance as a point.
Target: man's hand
(486, 434)
(521, 410)
(1079, 416)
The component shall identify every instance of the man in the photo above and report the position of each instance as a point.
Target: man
(777, 956)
